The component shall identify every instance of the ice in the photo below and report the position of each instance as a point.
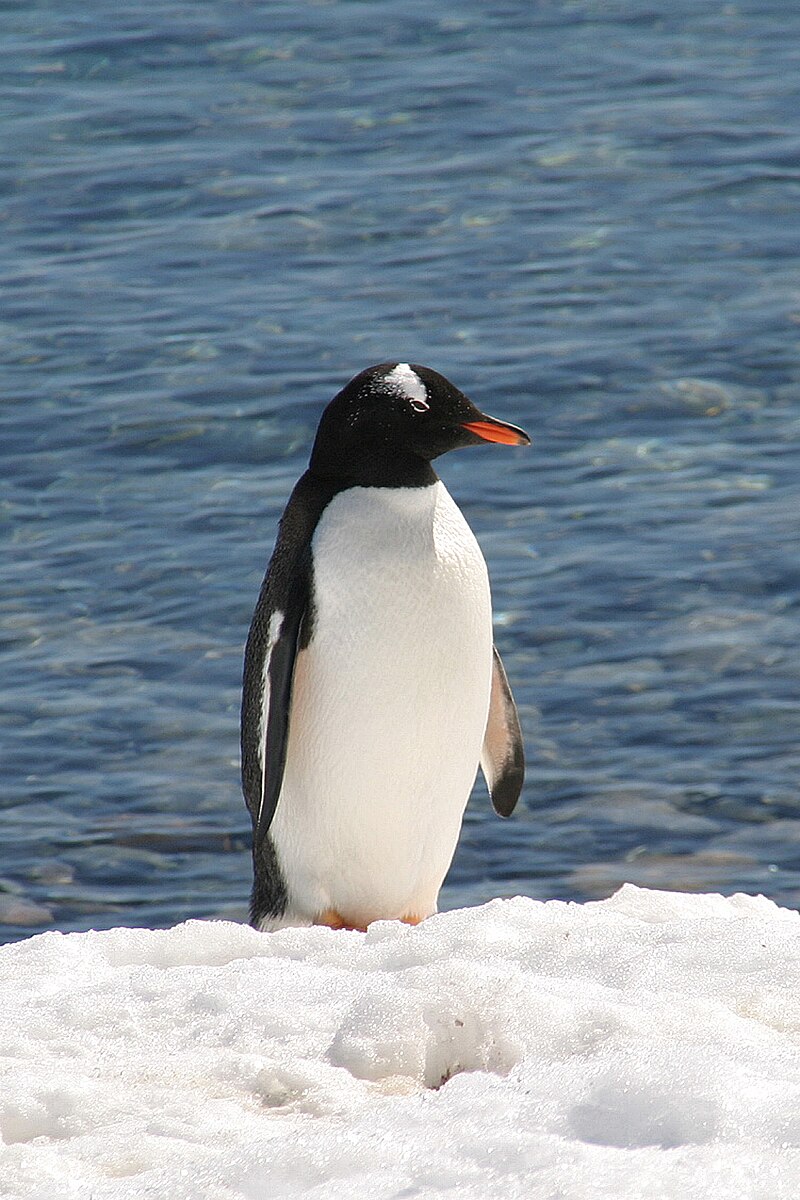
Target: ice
(645, 1046)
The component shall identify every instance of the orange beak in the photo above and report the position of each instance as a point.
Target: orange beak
(490, 430)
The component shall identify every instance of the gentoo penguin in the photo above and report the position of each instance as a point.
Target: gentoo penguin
(372, 689)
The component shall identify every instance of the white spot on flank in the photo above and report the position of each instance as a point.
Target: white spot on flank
(407, 383)
(273, 633)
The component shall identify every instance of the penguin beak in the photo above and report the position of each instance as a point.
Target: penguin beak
(489, 429)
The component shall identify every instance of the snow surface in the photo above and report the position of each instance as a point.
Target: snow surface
(645, 1046)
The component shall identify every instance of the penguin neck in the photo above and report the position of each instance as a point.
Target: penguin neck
(378, 469)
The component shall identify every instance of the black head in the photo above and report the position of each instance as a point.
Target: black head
(384, 428)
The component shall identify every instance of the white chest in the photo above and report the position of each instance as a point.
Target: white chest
(390, 703)
(398, 570)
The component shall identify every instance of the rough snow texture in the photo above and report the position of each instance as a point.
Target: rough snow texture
(645, 1046)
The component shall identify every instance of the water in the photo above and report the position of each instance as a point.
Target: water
(584, 213)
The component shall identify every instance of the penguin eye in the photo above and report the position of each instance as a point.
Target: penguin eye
(419, 405)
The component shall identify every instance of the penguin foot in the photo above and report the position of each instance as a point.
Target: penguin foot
(335, 920)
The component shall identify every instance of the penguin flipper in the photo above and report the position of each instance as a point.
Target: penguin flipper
(503, 754)
(266, 700)
(280, 627)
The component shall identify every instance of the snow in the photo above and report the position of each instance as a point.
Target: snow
(644, 1046)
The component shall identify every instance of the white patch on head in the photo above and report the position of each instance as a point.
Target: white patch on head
(406, 383)
(273, 633)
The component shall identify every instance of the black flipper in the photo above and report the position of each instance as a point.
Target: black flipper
(282, 624)
(503, 754)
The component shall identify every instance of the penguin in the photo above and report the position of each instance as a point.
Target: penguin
(372, 689)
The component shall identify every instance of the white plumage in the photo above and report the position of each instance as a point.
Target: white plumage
(389, 707)
(273, 633)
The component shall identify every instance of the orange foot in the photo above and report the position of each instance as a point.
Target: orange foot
(335, 920)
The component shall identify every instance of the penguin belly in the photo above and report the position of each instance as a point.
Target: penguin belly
(389, 708)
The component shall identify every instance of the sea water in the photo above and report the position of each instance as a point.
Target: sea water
(585, 214)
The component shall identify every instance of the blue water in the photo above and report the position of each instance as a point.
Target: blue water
(585, 212)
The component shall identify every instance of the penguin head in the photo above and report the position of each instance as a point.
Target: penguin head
(387, 424)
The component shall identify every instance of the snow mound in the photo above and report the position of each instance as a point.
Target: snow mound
(644, 1046)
